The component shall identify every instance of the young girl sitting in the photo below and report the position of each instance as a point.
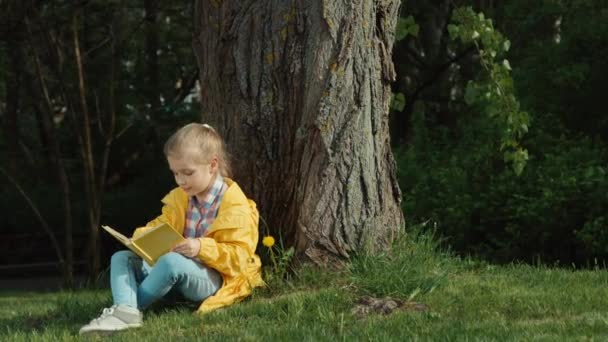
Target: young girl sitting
(216, 264)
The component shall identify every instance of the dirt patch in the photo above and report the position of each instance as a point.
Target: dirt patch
(385, 306)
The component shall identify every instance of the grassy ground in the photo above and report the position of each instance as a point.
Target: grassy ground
(459, 301)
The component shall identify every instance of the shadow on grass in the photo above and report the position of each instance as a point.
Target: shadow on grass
(31, 311)
(62, 313)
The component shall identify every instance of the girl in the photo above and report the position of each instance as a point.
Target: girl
(216, 264)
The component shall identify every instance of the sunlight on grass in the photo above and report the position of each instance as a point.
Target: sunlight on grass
(466, 300)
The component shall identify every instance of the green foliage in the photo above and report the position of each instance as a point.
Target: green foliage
(560, 49)
(119, 79)
(398, 102)
(276, 257)
(554, 211)
(493, 94)
(281, 259)
(406, 26)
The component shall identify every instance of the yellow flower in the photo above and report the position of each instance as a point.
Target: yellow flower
(268, 241)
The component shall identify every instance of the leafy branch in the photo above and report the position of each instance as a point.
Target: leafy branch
(494, 94)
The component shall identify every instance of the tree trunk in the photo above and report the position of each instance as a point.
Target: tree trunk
(12, 84)
(62, 177)
(88, 160)
(300, 90)
(51, 140)
(152, 90)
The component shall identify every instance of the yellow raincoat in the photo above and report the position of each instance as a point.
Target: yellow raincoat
(228, 245)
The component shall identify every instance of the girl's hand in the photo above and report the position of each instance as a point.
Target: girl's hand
(189, 248)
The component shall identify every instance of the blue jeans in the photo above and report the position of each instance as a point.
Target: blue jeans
(136, 284)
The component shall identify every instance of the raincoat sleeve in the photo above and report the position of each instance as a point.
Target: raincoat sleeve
(230, 245)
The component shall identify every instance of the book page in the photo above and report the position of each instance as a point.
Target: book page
(123, 239)
(129, 244)
(158, 241)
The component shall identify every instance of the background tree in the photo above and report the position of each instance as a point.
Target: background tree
(448, 162)
(69, 93)
(301, 89)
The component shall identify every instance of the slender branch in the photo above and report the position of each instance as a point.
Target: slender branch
(53, 46)
(124, 130)
(109, 137)
(98, 111)
(89, 163)
(185, 89)
(103, 42)
(417, 58)
(439, 70)
(43, 87)
(125, 40)
(58, 163)
(87, 156)
(43, 223)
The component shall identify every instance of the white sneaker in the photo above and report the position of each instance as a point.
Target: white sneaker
(114, 318)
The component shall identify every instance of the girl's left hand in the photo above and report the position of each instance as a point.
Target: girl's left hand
(189, 247)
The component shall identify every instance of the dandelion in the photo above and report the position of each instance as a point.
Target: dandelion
(268, 241)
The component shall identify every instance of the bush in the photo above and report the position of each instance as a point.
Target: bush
(555, 211)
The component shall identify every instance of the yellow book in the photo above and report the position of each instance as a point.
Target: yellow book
(152, 244)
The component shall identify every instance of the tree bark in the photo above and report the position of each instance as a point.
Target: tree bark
(300, 91)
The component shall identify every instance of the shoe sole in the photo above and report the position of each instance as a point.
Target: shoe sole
(108, 332)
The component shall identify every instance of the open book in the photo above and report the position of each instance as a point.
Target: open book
(152, 244)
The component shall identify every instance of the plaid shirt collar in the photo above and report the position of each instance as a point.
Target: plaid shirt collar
(211, 194)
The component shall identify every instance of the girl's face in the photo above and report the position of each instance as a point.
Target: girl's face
(192, 176)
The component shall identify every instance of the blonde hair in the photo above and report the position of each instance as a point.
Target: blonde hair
(205, 140)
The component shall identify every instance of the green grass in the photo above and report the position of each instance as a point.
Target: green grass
(467, 301)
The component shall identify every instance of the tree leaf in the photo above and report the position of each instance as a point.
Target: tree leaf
(398, 102)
